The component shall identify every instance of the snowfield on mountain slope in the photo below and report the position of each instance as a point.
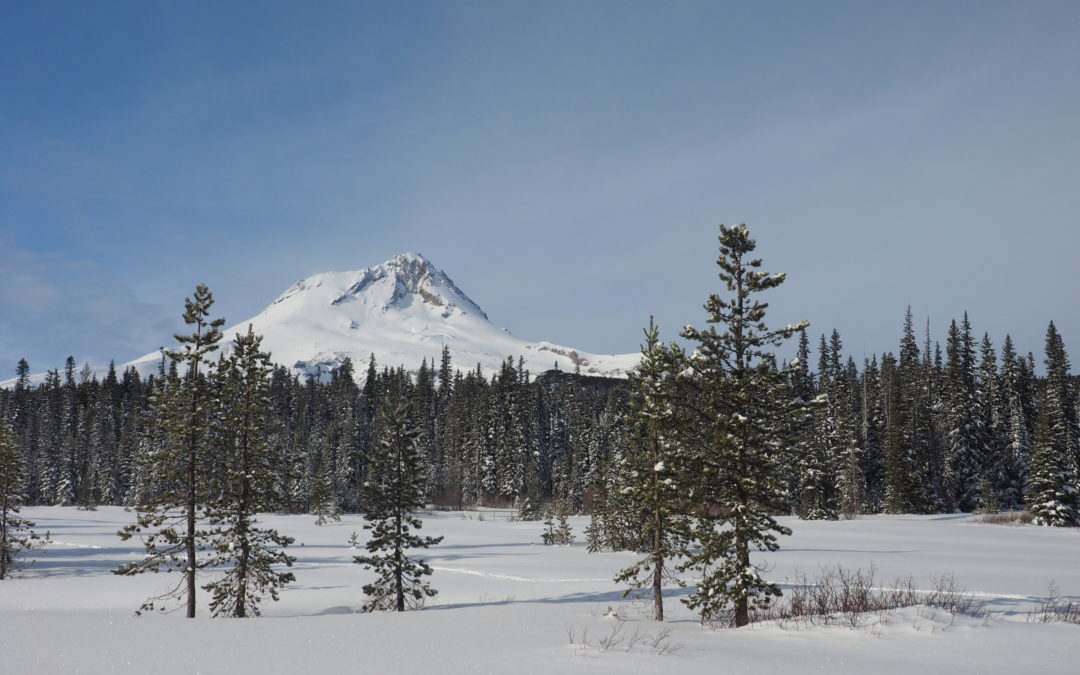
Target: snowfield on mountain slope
(403, 311)
(507, 603)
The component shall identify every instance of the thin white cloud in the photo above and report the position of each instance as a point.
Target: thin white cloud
(54, 306)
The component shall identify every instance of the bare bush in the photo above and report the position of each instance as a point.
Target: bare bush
(1055, 609)
(850, 597)
(949, 595)
(617, 640)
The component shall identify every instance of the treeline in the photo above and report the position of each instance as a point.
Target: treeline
(926, 429)
(929, 430)
(505, 440)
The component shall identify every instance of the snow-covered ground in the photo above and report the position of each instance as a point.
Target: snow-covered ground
(508, 604)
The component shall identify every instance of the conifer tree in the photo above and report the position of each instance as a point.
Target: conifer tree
(557, 530)
(1052, 488)
(871, 433)
(16, 534)
(615, 521)
(991, 425)
(183, 408)
(653, 485)
(395, 489)
(851, 486)
(907, 415)
(804, 389)
(344, 459)
(1017, 450)
(932, 448)
(823, 453)
(248, 552)
(742, 413)
(963, 464)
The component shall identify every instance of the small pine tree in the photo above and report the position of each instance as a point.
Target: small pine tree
(594, 535)
(394, 490)
(529, 503)
(653, 486)
(324, 503)
(249, 553)
(16, 534)
(557, 530)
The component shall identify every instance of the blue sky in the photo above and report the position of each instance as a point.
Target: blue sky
(567, 163)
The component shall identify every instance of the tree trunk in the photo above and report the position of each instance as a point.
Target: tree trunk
(398, 588)
(3, 542)
(189, 543)
(658, 566)
(742, 554)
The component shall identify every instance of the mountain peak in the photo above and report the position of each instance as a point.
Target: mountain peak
(403, 310)
(408, 280)
(408, 258)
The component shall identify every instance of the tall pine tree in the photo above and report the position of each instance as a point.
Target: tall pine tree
(1052, 487)
(183, 409)
(741, 414)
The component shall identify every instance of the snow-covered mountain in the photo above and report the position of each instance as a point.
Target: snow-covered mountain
(403, 311)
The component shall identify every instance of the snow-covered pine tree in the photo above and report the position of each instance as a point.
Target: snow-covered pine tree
(443, 465)
(907, 415)
(824, 451)
(803, 388)
(16, 533)
(963, 461)
(993, 432)
(933, 445)
(1052, 488)
(613, 522)
(510, 444)
(653, 486)
(741, 415)
(65, 485)
(247, 553)
(322, 497)
(288, 457)
(345, 458)
(871, 422)
(394, 490)
(46, 438)
(184, 407)
(843, 406)
(1016, 456)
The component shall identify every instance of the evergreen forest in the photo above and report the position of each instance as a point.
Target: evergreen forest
(928, 428)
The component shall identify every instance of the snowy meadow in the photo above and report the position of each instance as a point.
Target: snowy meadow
(508, 603)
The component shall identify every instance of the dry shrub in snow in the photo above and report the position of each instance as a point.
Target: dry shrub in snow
(618, 639)
(1055, 609)
(851, 597)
